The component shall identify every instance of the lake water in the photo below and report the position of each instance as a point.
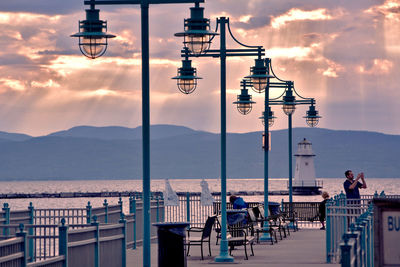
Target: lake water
(333, 186)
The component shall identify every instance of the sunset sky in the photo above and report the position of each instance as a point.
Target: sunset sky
(344, 53)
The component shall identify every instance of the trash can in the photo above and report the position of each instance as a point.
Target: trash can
(171, 244)
(274, 208)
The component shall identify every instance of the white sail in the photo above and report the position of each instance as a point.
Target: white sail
(206, 199)
(170, 197)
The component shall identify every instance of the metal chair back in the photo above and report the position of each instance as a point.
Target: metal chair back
(208, 227)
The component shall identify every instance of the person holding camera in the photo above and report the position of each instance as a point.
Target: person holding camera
(352, 186)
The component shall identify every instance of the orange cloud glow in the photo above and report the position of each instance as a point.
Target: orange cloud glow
(296, 14)
(379, 67)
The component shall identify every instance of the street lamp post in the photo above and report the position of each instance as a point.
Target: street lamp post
(197, 45)
(93, 43)
(289, 103)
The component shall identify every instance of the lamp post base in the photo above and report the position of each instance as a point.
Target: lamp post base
(224, 258)
(292, 226)
(265, 237)
(223, 254)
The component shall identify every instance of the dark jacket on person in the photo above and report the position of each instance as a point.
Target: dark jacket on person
(321, 210)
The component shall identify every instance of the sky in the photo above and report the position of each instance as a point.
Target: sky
(343, 53)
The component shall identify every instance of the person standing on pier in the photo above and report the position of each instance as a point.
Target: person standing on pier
(352, 186)
(321, 209)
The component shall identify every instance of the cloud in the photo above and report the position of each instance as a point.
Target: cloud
(299, 15)
(42, 6)
(343, 53)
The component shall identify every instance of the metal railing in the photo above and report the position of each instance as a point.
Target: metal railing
(357, 246)
(341, 213)
(42, 225)
(307, 213)
(314, 183)
(189, 209)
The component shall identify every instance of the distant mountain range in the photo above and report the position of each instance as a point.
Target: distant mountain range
(87, 152)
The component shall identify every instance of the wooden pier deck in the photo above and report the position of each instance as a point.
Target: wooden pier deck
(303, 248)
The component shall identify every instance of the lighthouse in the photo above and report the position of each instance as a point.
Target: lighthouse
(304, 182)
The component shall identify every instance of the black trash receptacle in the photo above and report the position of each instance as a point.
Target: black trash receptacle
(274, 208)
(171, 244)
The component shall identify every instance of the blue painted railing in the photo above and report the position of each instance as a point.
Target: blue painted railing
(357, 247)
(340, 214)
(349, 230)
(43, 225)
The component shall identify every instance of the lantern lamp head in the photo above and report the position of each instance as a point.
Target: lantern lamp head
(271, 117)
(197, 35)
(312, 117)
(244, 102)
(93, 35)
(259, 76)
(289, 101)
(186, 78)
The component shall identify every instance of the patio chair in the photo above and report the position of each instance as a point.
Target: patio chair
(292, 218)
(217, 228)
(239, 236)
(204, 238)
(256, 228)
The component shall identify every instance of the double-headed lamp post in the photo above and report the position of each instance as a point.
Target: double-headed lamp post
(197, 40)
(93, 41)
(289, 103)
(262, 73)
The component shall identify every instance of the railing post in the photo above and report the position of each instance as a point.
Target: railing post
(30, 231)
(158, 209)
(63, 241)
(97, 244)
(105, 204)
(88, 213)
(6, 209)
(132, 205)
(187, 206)
(345, 252)
(22, 234)
(358, 228)
(346, 222)
(123, 221)
(120, 203)
(328, 231)
(132, 210)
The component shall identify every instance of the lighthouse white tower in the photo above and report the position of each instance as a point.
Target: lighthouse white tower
(304, 182)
